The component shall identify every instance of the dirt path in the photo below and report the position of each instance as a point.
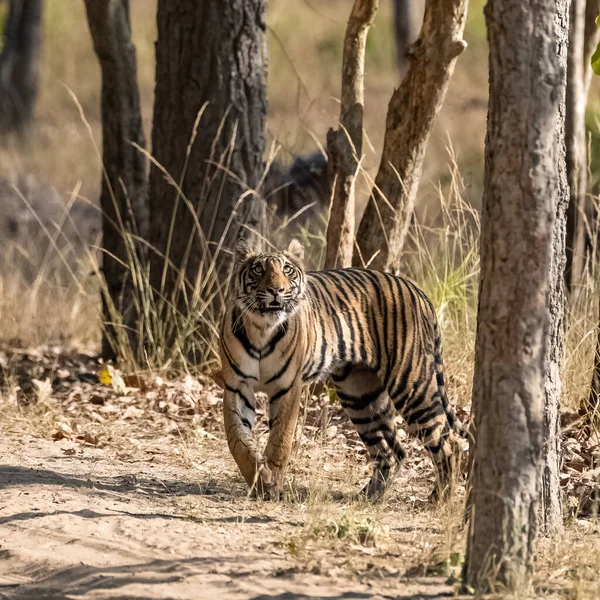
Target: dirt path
(84, 523)
(139, 498)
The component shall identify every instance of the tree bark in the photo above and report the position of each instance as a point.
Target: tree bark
(583, 38)
(551, 504)
(519, 205)
(124, 184)
(209, 137)
(408, 19)
(344, 146)
(412, 110)
(19, 64)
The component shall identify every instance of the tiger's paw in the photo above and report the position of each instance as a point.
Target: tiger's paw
(266, 487)
(374, 490)
(267, 492)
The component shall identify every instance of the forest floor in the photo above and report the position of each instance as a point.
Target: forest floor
(130, 492)
(93, 525)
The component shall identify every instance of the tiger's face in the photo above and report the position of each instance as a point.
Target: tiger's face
(269, 286)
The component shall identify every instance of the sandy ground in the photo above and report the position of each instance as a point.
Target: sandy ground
(130, 492)
(88, 523)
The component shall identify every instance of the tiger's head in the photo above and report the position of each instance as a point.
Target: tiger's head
(269, 286)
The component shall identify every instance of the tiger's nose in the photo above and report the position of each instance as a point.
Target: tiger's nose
(276, 291)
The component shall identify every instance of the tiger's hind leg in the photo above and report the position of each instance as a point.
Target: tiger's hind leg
(368, 405)
(438, 439)
(427, 419)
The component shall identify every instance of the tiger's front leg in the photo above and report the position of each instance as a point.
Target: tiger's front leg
(284, 405)
(239, 409)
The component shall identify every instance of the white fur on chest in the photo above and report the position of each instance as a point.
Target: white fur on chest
(267, 367)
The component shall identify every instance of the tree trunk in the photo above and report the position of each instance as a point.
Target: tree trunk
(583, 38)
(208, 138)
(412, 110)
(551, 504)
(591, 39)
(576, 146)
(124, 183)
(519, 204)
(344, 146)
(408, 19)
(19, 64)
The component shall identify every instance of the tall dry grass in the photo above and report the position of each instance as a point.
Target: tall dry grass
(304, 41)
(51, 281)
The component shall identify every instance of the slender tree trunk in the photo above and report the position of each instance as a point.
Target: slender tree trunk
(408, 19)
(519, 205)
(208, 138)
(583, 38)
(412, 110)
(586, 214)
(591, 39)
(589, 215)
(124, 183)
(19, 64)
(576, 145)
(344, 146)
(551, 504)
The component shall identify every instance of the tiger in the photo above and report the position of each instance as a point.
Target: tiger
(373, 335)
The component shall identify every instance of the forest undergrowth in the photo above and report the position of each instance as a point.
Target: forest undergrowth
(54, 386)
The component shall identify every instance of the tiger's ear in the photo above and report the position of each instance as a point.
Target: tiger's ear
(296, 251)
(243, 251)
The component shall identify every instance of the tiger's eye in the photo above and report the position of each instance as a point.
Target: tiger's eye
(288, 270)
(257, 269)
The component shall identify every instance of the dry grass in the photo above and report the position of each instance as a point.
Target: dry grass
(304, 80)
(568, 567)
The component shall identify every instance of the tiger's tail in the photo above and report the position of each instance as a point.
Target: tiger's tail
(455, 424)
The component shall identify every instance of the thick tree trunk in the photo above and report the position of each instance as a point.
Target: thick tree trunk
(19, 64)
(412, 110)
(408, 19)
(551, 504)
(124, 183)
(519, 204)
(344, 146)
(209, 137)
